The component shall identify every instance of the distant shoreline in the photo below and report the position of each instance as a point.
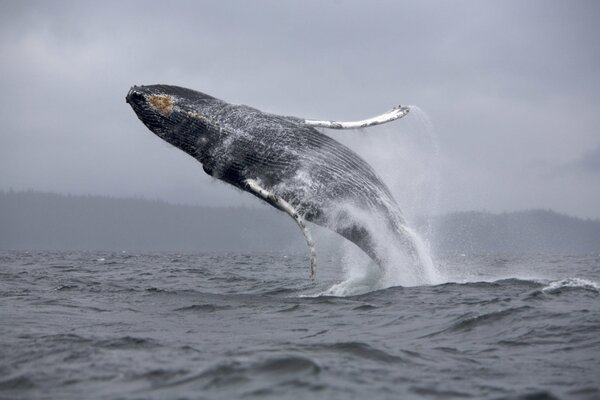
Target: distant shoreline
(48, 221)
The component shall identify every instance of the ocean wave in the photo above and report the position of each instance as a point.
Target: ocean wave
(16, 383)
(360, 350)
(469, 322)
(571, 283)
(202, 308)
(503, 332)
(127, 342)
(279, 370)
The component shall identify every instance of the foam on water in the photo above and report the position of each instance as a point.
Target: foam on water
(571, 283)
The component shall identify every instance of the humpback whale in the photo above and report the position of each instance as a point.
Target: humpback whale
(284, 161)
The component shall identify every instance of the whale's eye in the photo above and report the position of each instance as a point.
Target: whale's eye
(162, 103)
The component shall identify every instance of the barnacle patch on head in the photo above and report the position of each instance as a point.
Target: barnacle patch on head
(162, 103)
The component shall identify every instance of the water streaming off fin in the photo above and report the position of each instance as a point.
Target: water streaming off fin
(406, 156)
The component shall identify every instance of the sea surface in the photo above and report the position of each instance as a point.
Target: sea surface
(104, 325)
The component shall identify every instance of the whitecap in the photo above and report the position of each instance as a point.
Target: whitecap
(554, 286)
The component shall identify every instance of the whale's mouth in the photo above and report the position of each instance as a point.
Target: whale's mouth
(161, 103)
(133, 96)
(136, 95)
(152, 109)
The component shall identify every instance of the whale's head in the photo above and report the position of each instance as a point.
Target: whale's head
(176, 115)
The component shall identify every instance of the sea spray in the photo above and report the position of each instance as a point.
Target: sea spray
(406, 260)
(423, 129)
(405, 156)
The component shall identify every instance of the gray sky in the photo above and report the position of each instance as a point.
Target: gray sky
(511, 87)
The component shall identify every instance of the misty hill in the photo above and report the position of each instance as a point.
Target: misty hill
(42, 221)
(523, 232)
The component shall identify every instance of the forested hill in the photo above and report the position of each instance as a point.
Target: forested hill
(523, 232)
(42, 221)
(31, 220)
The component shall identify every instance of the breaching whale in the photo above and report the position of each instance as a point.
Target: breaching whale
(282, 160)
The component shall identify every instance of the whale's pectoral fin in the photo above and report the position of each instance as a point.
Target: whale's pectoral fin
(286, 207)
(394, 114)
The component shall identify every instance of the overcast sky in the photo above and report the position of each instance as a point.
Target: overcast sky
(512, 89)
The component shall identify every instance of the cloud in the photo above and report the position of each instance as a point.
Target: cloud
(506, 84)
(589, 161)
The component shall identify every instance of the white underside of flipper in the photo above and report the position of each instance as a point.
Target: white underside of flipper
(392, 115)
(286, 207)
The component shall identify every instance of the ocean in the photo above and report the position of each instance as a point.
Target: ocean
(119, 325)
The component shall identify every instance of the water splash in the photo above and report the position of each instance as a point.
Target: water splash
(403, 155)
(406, 157)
